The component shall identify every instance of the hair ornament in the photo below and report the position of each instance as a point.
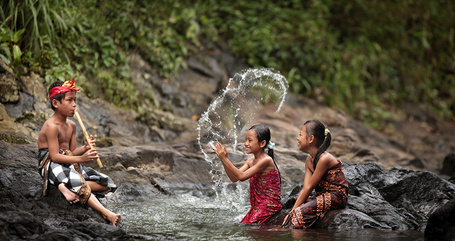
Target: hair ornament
(271, 145)
(327, 131)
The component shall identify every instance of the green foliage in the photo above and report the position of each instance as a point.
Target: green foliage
(39, 20)
(347, 54)
(360, 56)
(90, 40)
(9, 45)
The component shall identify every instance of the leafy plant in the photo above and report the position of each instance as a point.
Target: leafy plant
(360, 56)
(31, 24)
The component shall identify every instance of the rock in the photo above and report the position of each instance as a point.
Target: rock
(15, 138)
(8, 86)
(397, 199)
(413, 194)
(349, 219)
(19, 224)
(161, 164)
(441, 223)
(24, 103)
(448, 165)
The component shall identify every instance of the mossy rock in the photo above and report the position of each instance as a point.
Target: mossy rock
(15, 138)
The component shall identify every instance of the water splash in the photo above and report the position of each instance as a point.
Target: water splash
(235, 109)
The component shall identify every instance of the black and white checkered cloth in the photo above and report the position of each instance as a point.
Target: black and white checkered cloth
(66, 173)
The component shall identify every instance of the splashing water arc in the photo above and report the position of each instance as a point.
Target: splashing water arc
(237, 107)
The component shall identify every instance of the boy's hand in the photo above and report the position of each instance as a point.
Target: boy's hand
(89, 155)
(92, 141)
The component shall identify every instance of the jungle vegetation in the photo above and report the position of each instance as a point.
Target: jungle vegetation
(364, 57)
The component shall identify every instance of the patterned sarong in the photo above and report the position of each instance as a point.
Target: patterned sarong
(265, 197)
(73, 176)
(331, 193)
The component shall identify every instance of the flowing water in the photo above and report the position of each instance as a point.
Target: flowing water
(215, 214)
(194, 215)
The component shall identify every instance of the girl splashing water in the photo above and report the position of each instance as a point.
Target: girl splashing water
(323, 172)
(265, 186)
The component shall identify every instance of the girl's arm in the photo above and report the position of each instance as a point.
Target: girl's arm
(323, 164)
(245, 172)
(231, 175)
(308, 172)
(222, 154)
(306, 183)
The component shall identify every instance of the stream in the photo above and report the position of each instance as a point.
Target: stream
(194, 215)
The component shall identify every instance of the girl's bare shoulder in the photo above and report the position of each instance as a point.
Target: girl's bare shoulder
(250, 161)
(266, 162)
(328, 159)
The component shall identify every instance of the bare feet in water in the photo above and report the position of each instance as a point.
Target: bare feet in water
(70, 196)
(114, 218)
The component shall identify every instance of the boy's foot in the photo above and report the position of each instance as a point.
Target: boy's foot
(114, 218)
(70, 196)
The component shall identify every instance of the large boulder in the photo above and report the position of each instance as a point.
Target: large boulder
(441, 223)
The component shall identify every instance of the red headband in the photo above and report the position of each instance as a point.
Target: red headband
(66, 87)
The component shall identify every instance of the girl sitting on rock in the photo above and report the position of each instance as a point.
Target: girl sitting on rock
(265, 185)
(323, 173)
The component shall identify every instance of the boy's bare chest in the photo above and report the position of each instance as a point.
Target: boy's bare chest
(64, 136)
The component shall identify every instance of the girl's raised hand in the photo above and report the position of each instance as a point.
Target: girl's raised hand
(220, 151)
(212, 146)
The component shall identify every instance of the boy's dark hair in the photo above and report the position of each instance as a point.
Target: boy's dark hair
(317, 129)
(58, 97)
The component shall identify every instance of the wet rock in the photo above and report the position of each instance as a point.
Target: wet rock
(441, 223)
(397, 199)
(349, 219)
(448, 165)
(19, 224)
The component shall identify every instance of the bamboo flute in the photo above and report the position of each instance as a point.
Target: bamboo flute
(87, 137)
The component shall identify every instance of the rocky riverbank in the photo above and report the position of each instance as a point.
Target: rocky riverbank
(398, 177)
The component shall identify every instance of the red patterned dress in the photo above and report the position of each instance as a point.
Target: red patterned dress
(331, 193)
(265, 197)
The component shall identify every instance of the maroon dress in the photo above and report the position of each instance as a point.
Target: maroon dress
(331, 193)
(265, 197)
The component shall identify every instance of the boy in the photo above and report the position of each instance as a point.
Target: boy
(59, 159)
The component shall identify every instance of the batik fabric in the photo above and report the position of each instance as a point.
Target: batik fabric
(331, 193)
(265, 197)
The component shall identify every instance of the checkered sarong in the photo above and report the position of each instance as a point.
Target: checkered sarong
(73, 176)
